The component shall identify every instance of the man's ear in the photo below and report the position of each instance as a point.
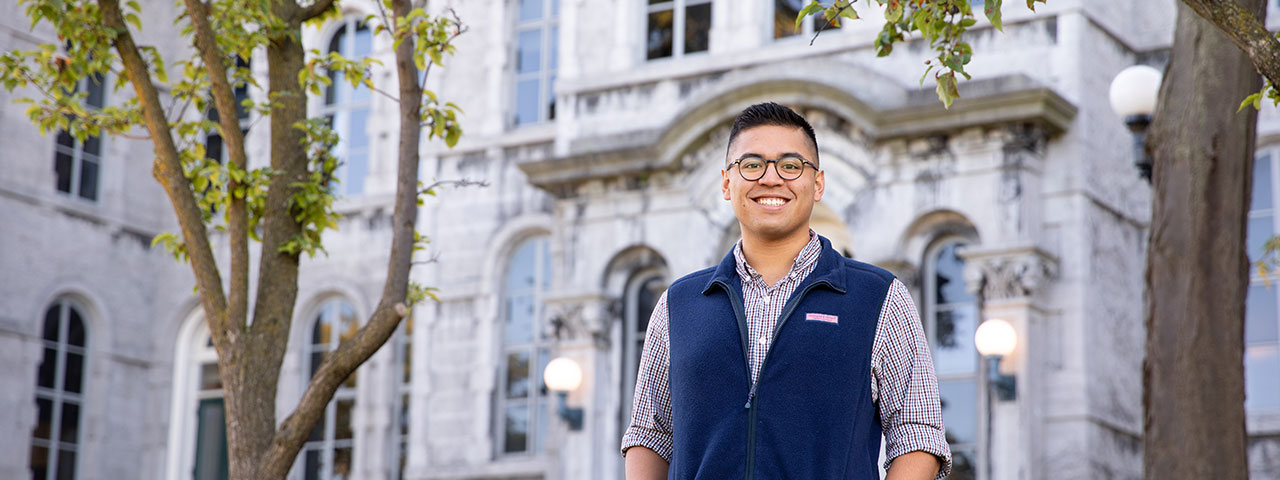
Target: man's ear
(819, 184)
(724, 183)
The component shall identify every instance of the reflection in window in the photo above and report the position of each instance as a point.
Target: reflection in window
(1262, 321)
(55, 440)
(951, 319)
(784, 19)
(76, 163)
(536, 57)
(347, 109)
(328, 451)
(642, 296)
(677, 27)
(521, 405)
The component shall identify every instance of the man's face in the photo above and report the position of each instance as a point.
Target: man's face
(772, 208)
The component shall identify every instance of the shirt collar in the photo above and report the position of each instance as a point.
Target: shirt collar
(806, 258)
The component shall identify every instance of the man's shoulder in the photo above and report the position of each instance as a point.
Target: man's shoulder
(696, 279)
(865, 272)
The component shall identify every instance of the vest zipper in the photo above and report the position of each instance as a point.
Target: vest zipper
(751, 396)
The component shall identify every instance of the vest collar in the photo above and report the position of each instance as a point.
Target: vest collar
(827, 271)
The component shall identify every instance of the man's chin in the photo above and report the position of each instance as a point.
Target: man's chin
(771, 233)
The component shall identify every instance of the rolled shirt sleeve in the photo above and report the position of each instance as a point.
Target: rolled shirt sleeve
(904, 383)
(650, 425)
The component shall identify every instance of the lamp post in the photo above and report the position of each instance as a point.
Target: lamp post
(1133, 97)
(995, 339)
(563, 375)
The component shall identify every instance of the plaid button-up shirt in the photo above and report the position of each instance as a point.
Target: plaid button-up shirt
(903, 384)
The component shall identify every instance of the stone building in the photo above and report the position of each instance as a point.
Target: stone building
(600, 127)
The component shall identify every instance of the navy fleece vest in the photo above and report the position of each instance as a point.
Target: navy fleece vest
(810, 415)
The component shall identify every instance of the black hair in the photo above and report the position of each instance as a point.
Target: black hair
(769, 113)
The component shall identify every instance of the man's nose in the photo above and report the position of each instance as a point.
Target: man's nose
(771, 176)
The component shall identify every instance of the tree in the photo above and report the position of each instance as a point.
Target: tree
(1202, 145)
(282, 207)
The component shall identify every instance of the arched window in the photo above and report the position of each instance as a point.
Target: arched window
(642, 294)
(521, 406)
(328, 451)
(951, 317)
(1262, 317)
(55, 441)
(347, 109)
(197, 423)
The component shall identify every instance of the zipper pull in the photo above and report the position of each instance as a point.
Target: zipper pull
(750, 396)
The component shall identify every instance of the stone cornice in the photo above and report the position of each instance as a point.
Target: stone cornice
(1007, 273)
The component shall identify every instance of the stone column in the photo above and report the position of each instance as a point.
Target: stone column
(581, 328)
(1006, 282)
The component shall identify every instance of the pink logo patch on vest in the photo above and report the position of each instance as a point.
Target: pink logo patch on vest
(822, 317)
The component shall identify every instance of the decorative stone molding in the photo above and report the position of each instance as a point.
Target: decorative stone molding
(1007, 273)
(570, 319)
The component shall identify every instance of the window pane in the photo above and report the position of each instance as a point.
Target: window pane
(73, 374)
(1260, 318)
(530, 10)
(211, 441)
(1262, 377)
(209, 378)
(356, 168)
(213, 147)
(649, 294)
(66, 464)
(62, 169)
(313, 465)
(527, 101)
(953, 338)
(342, 425)
(520, 274)
(517, 429)
(96, 86)
(341, 463)
(51, 324)
(544, 357)
(546, 262)
(48, 367)
(1260, 229)
(959, 409)
(69, 423)
(44, 418)
(555, 8)
(65, 139)
(1261, 183)
(554, 59)
(75, 328)
(358, 135)
(784, 17)
(551, 98)
(949, 275)
(39, 462)
(542, 413)
(316, 358)
(697, 28)
(519, 327)
(93, 145)
(518, 374)
(529, 51)
(88, 179)
(364, 42)
(660, 35)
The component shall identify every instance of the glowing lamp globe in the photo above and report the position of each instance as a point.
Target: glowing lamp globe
(995, 337)
(562, 375)
(1134, 91)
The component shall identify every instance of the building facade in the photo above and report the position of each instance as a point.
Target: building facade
(599, 128)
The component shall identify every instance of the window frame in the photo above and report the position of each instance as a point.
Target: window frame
(678, 13)
(77, 151)
(537, 403)
(978, 446)
(1272, 155)
(57, 396)
(548, 27)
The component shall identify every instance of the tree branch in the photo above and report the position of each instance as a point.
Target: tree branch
(315, 9)
(167, 168)
(229, 123)
(1246, 31)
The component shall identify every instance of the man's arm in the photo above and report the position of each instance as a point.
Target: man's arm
(907, 391)
(648, 441)
(915, 465)
(645, 464)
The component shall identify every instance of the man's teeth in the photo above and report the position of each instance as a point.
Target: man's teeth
(771, 201)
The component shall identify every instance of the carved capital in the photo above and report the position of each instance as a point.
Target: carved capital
(1009, 273)
(572, 319)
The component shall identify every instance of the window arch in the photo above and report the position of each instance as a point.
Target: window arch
(197, 430)
(521, 400)
(951, 318)
(347, 109)
(328, 452)
(55, 440)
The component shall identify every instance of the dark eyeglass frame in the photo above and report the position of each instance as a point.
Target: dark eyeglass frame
(803, 162)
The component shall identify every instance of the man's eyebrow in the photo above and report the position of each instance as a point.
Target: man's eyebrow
(780, 157)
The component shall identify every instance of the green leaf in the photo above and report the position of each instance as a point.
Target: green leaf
(809, 9)
(992, 9)
(893, 12)
(947, 91)
(1255, 100)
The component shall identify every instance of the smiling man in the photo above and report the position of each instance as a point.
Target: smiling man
(787, 360)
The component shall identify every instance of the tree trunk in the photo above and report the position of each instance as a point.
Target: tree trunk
(1197, 270)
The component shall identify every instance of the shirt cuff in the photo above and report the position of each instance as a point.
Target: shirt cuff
(654, 440)
(912, 437)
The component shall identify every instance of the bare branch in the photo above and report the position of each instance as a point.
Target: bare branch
(168, 168)
(455, 183)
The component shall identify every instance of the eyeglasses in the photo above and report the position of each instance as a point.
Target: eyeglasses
(788, 168)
